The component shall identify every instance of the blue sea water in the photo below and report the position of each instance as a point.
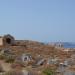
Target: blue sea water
(69, 45)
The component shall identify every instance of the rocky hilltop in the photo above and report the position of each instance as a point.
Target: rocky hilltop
(25, 57)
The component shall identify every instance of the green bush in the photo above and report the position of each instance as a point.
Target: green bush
(48, 72)
(14, 72)
(9, 59)
(2, 57)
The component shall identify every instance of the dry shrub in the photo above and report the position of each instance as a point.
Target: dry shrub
(14, 72)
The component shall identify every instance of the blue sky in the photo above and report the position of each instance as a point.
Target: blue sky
(40, 20)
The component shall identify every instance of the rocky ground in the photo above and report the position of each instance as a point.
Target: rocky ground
(32, 58)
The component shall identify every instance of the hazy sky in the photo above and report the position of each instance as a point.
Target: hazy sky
(42, 20)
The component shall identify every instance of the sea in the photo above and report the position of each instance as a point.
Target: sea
(69, 45)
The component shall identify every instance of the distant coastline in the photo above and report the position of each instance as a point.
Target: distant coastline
(64, 44)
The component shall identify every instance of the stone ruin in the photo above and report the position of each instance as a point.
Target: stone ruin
(7, 40)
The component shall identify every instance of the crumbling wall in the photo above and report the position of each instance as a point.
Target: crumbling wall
(1, 41)
(8, 40)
